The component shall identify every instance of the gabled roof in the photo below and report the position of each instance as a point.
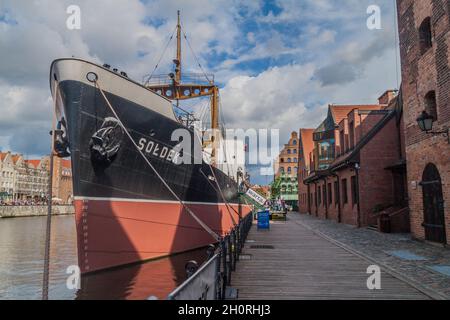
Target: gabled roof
(16, 158)
(340, 112)
(307, 143)
(351, 157)
(65, 163)
(34, 163)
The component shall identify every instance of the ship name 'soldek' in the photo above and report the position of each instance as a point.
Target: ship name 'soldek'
(153, 148)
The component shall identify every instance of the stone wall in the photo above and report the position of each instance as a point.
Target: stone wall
(33, 211)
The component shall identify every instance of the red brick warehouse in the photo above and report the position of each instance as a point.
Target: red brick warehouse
(424, 29)
(358, 170)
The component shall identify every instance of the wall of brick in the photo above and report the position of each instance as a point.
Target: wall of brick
(376, 183)
(422, 73)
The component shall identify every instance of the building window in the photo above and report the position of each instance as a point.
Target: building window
(426, 37)
(289, 151)
(295, 160)
(351, 129)
(431, 104)
(294, 142)
(282, 160)
(344, 191)
(289, 169)
(354, 190)
(330, 195)
(319, 194)
(289, 160)
(294, 151)
(315, 198)
(336, 192)
(342, 141)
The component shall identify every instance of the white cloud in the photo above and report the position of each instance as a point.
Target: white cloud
(286, 97)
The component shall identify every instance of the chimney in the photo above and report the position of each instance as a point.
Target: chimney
(387, 97)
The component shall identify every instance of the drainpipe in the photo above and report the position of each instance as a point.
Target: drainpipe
(338, 195)
(357, 168)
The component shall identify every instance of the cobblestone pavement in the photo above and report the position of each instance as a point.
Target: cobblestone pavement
(391, 251)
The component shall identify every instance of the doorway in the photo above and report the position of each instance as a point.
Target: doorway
(433, 205)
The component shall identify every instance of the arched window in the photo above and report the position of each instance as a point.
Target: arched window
(294, 151)
(282, 160)
(294, 142)
(425, 34)
(289, 160)
(295, 160)
(431, 104)
(289, 151)
(289, 170)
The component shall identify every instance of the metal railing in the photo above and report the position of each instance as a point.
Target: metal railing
(211, 280)
(191, 78)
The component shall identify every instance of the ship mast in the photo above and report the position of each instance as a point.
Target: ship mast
(177, 62)
(175, 89)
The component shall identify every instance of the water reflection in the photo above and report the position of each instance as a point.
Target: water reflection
(21, 264)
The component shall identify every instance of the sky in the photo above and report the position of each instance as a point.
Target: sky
(279, 63)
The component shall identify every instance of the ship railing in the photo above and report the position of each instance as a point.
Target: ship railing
(190, 78)
(212, 281)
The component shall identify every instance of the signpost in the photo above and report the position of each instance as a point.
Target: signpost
(256, 197)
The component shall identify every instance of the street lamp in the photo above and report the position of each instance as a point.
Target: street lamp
(425, 122)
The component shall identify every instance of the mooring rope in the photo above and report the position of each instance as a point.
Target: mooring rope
(227, 205)
(225, 202)
(46, 274)
(193, 215)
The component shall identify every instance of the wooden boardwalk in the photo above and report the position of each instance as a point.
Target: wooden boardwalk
(302, 265)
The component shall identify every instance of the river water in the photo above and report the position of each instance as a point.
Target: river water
(21, 266)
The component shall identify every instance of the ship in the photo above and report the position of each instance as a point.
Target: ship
(136, 197)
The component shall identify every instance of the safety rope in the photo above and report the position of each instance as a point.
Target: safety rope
(160, 58)
(195, 56)
(45, 279)
(193, 215)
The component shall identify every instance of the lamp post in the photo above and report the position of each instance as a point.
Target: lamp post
(425, 122)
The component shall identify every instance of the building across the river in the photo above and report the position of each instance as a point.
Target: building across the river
(25, 181)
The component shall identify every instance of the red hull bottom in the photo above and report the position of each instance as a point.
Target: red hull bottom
(118, 232)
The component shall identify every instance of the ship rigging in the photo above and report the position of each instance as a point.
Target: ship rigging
(177, 86)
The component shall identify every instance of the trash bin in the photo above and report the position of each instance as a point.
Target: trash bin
(264, 219)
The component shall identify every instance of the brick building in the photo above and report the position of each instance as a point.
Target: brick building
(285, 185)
(24, 180)
(287, 161)
(357, 166)
(305, 148)
(62, 180)
(424, 29)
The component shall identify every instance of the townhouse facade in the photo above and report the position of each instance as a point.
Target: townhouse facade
(23, 180)
(285, 185)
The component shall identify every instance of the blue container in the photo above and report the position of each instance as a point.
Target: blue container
(264, 219)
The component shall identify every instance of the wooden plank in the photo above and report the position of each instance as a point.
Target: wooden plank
(304, 265)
